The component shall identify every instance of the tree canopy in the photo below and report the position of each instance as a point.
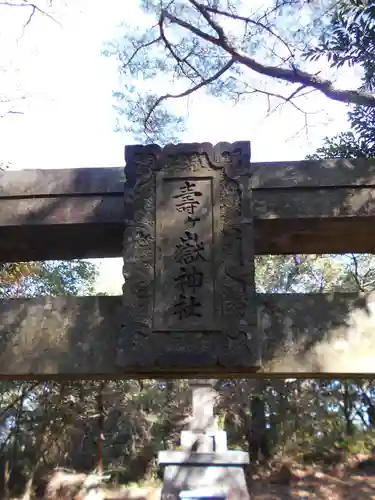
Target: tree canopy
(353, 42)
(234, 50)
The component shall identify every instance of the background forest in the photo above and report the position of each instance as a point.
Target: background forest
(119, 426)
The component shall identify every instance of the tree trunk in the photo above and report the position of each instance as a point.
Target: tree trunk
(100, 426)
(348, 406)
(259, 449)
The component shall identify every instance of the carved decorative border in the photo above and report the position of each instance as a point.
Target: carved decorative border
(237, 345)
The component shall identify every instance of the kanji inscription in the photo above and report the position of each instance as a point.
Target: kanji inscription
(185, 280)
(189, 299)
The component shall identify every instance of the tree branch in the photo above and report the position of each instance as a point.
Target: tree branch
(291, 75)
(355, 273)
(11, 112)
(189, 91)
(215, 26)
(247, 20)
(283, 98)
(34, 8)
(177, 58)
(140, 47)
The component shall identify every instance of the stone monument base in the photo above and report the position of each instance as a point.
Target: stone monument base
(222, 474)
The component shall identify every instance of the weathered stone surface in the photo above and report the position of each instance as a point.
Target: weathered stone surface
(58, 336)
(182, 457)
(61, 210)
(339, 172)
(44, 182)
(222, 472)
(299, 207)
(189, 293)
(214, 440)
(204, 460)
(203, 401)
(203, 434)
(76, 337)
(312, 204)
(330, 173)
(227, 479)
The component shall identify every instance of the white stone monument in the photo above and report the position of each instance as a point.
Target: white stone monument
(204, 462)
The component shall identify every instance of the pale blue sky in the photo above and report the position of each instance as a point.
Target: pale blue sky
(69, 121)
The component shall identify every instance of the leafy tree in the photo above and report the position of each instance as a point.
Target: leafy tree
(350, 40)
(31, 424)
(12, 276)
(222, 46)
(75, 277)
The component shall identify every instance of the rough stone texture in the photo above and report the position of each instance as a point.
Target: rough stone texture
(299, 207)
(330, 173)
(200, 494)
(211, 471)
(67, 181)
(189, 294)
(339, 172)
(182, 457)
(61, 210)
(204, 461)
(76, 337)
(312, 204)
(58, 336)
(203, 434)
(203, 401)
(210, 441)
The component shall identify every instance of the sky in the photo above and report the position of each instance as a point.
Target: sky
(68, 120)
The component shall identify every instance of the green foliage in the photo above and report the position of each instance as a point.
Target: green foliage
(314, 273)
(76, 277)
(52, 278)
(343, 145)
(360, 444)
(169, 51)
(226, 48)
(349, 39)
(60, 423)
(362, 121)
(12, 276)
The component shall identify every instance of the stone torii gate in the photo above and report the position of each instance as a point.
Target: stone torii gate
(188, 221)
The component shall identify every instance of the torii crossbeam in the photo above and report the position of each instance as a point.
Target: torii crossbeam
(325, 206)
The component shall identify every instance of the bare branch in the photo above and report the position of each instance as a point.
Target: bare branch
(34, 8)
(283, 98)
(355, 273)
(293, 75)
(17, 399)
(180, 62)
(247, 20)
(11, 113)
(140, 47)
(215, 26)
(7, 100)
(189, 91)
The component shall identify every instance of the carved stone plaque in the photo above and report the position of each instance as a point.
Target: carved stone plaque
(189, 302)
(184, 284)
